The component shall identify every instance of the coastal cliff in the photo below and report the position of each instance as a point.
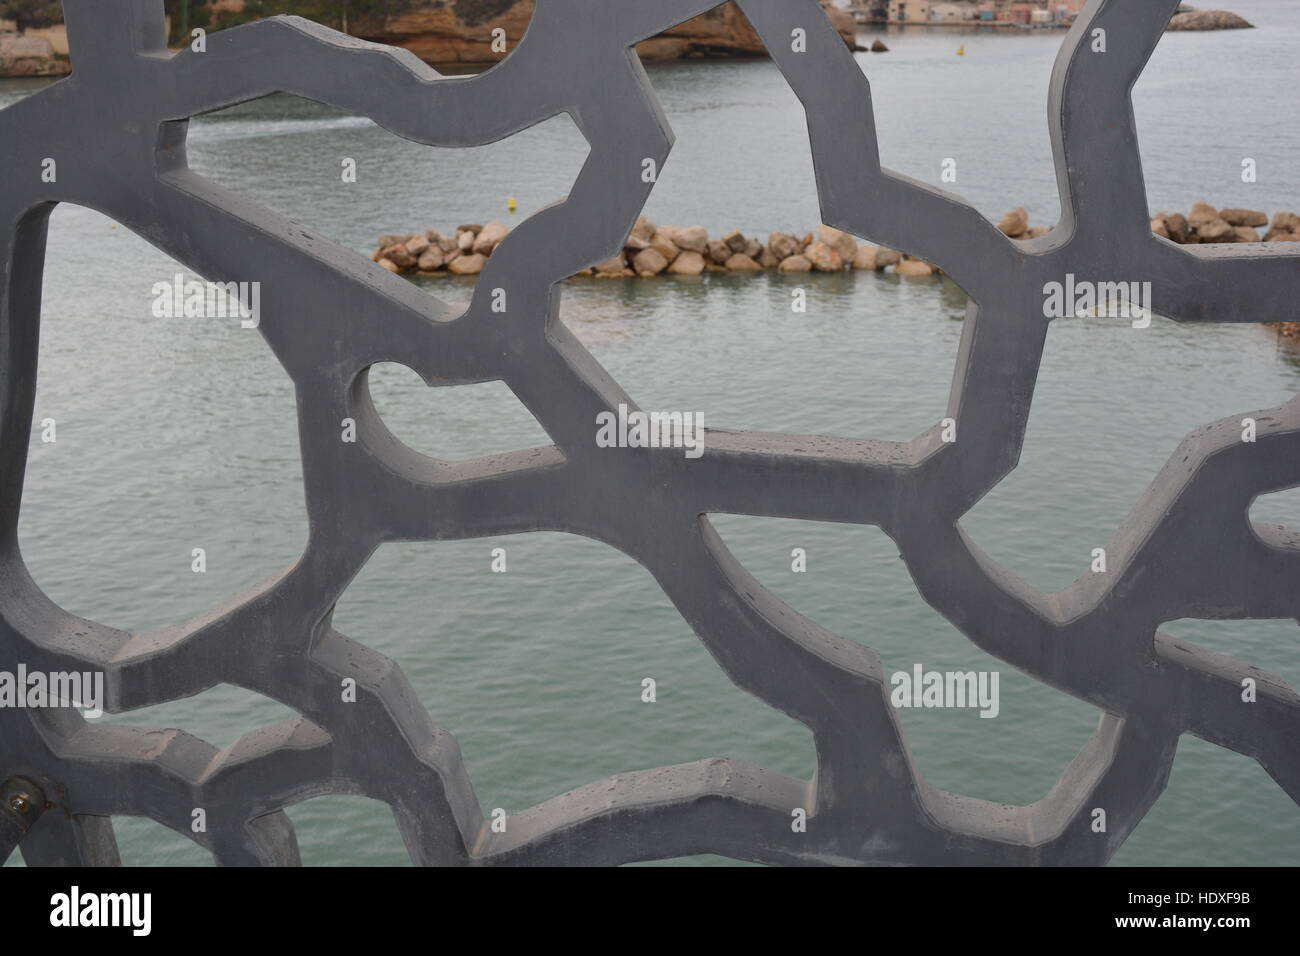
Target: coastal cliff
(460, 31)
(31, 56)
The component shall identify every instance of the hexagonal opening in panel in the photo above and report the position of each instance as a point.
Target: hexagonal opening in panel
(218, 716)
(852, 353)
(852, 581)
(369, 837)
(1111, 406)
(871, 358)
(452, 423)
(540, 669)
(941, 119)
(163, 473)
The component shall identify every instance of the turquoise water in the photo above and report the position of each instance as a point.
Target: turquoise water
(174, 435)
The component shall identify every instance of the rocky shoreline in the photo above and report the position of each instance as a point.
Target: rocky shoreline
(652, 250)
(1208, 20)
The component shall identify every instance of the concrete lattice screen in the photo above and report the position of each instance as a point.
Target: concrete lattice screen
(117, 128)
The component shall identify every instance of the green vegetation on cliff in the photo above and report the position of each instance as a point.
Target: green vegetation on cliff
(32, 13)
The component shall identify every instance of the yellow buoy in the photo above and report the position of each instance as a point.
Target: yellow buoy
(510, 203)
(961, 50)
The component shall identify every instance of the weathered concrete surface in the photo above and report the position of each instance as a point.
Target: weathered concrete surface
(1188, 548)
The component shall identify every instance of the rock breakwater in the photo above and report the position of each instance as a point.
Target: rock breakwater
(653, 250)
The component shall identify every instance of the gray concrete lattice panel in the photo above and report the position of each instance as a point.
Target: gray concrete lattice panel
(117, 127)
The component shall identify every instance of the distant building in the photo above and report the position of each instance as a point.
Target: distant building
(1041, 12)
(870, 11)
(909, 11)
(953, 12)
(1019, 12)
(1027, 12)
(1066, 10)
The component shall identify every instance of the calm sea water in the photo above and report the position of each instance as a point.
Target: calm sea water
(174, 435)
